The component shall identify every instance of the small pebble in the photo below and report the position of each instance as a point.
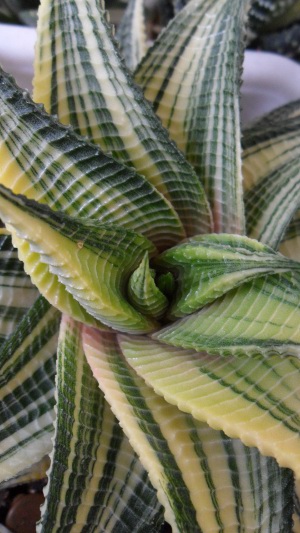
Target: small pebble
(24, 513)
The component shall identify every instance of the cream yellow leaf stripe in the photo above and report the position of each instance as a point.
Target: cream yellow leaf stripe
(96, 482)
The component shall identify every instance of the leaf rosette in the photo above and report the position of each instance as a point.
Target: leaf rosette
(177, 365)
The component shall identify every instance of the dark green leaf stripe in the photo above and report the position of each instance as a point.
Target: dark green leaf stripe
(207, 267)
(207, 460)
(192, 77)
(131, 33)
(50, 163)
(17, 293)
(96, 482)
(92, 260)
(88, 86)
(259, 317)
(255, 400)
(27, 362)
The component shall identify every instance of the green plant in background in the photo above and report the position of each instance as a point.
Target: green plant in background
(155, 352)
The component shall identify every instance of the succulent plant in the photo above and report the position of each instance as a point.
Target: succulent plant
(151, 343)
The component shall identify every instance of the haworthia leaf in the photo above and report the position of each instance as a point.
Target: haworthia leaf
(36, 472)
(27, 362)
(92, 260)
(271, 204)
(50, 163)
(96, 482)
(131, 33)
(143, 292)
(256, 400)
(208, 266)
(259, 317)
(270, 167)
(210, 483)
(80, 76)
(192, 76)
(270, 142)
(49, 285)
(290, 243)
(17, 293)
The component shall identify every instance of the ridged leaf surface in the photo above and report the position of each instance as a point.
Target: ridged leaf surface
(207, 267)
(27, 362)
(17, 293)
(206, 481)
(48, 162)
(192, 76)
(271, 170)
(92, 260)
(96, 482)
(260, 317)
(255, 400)
(80, 77)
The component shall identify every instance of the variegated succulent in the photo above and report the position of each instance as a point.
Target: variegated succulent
(151, 344)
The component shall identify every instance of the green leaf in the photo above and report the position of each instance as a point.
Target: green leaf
(260, 317)
(192, 76)
(91, 259)
(290, 242)
(27, 362)
(131, 33)
(85, 82)
(96, 482)
(143, 292)
(271, 170)
(48, 162)
(205, 481)
(17, 293)
(35, 472)
(255, 400)
(208, 266)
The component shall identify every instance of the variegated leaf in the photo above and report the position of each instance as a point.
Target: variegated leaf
(36, 472)
(205, 481)
(27, 363)
(79, 75)
(260, 317)
(256, 400)
(271, 169)
(131, 33)
(17, 293)
(192, 76)
(92, 260)
(48, 162)
(144, 293)
(207, 267)
(96, 482)
(290, 242)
